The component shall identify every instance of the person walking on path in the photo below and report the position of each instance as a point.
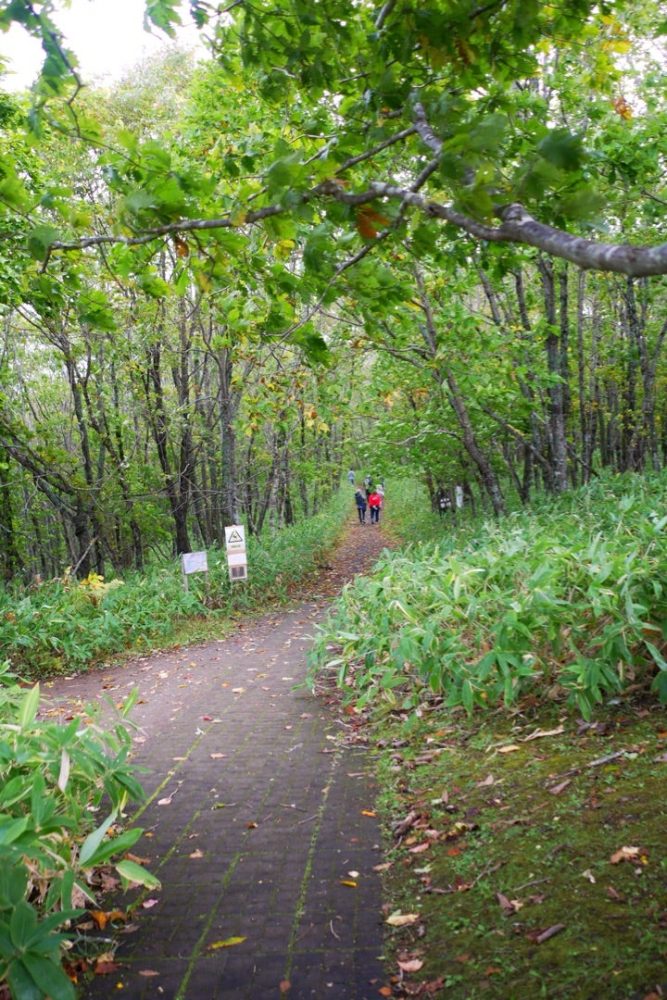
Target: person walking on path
(350, 477)
(375, 503)
(360, 500)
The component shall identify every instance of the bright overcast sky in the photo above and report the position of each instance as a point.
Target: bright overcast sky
(106, 35)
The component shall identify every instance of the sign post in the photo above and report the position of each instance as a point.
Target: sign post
(193, 562)
(237, 559)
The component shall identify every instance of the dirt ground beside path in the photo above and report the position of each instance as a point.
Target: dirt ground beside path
(255, 820)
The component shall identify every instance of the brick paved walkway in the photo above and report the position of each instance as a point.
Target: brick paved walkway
(255, 817)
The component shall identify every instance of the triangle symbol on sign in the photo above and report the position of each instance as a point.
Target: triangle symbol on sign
(234, 536)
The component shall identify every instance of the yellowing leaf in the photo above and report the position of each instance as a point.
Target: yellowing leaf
(227, 943)
(349, 882)
(399, 919)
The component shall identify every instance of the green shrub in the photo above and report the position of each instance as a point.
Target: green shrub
(53, 780)
(569, 598)
(65, 625)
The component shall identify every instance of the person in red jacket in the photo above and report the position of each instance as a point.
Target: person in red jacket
(375, 504)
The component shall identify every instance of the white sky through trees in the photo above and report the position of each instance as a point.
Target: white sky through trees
(107, 36)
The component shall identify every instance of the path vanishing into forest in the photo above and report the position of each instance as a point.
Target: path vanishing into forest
(255, 820)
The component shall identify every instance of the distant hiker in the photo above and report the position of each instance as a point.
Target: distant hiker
(375, 503)
(380, 489)
(360, 500)
(367, 483)
(350, 477)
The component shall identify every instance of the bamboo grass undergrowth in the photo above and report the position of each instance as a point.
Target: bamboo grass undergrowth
(64, 626)
(563, 601)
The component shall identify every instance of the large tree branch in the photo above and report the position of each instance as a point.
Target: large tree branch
(516, 226)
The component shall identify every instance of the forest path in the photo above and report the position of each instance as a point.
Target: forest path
(255, 817)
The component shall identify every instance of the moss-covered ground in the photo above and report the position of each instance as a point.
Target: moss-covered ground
(528, 854)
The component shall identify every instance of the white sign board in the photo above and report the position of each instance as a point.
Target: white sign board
(235, 538)
(194, 562)
(237, 559)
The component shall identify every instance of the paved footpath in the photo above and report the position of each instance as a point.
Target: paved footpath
(255, 819)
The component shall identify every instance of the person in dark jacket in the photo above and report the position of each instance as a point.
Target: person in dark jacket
(360, 500)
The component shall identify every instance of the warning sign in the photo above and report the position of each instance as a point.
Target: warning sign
(235, 538)
(237, 560)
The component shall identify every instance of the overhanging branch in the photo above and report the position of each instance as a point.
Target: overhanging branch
(516, 226)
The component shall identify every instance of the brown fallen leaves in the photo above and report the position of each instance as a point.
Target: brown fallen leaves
(539, 937)
(104, 917)
(635, 854)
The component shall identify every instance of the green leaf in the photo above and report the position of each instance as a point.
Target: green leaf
(49, 976)
(132, 872)
(29, 707)
(40, 239)
(117, 845)
(21, 983)
(94, 839)
(22, 923)
(563, 149)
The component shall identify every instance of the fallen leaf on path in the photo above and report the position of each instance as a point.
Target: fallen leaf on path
(196, 854)
(419, 848)
(557, 789)
(386, 991)
(368, 812)
(238, 690)
(348, 882)
(149, 903)
(383, 867)
(353, 874)
(624, 854)
(539, 733)
(399, 919)
(252, 825)
(217, 756)
(166, 801)
(148, 972)
(284, 986)
(489, 780)
(207, 718)
(539, 937)
(104, 966)
(463, 958)
(229, 942)
(405, 824)
(508, 905)
(589, 875)
(510, 748)
(412, 965)
(102, 917)
(458, 829)
(613, 894)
